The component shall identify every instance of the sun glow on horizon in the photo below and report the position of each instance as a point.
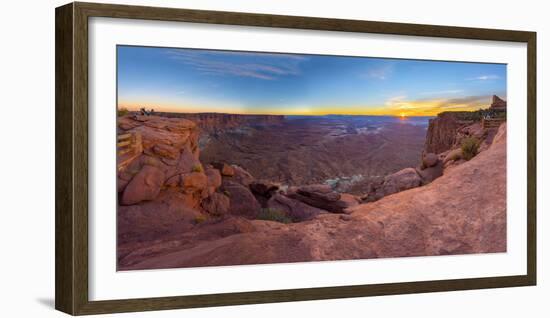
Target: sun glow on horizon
(413, 109)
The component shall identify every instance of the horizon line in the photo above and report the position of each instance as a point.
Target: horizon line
(308, 115)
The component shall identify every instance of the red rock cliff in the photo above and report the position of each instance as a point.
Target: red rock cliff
(441, 133)
(215, 121)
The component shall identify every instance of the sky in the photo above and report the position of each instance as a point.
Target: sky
(193, 80)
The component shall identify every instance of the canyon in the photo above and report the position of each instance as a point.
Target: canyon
(223, 189)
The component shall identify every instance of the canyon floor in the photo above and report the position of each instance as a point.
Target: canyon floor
(211, 190)
(347, 151)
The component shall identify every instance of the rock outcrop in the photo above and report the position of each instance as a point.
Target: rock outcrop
(216, 204)
(167, 187)
(294, 209)
(242, 201)
(498, 103)
(144, 186)
(429, 174)
(169, 159)
(429, 160)
(211, 122)
(323, 197)
(405, 179)
(441, 134)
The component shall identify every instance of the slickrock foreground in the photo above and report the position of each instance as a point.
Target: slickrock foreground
(463, 211)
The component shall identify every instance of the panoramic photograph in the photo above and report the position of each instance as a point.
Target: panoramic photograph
(241, 158)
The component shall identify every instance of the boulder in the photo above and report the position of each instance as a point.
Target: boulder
(242, 176)
(430, 174)
(296, 210)
(242, 201)
(225, 169)
(323, 197)
(350, 201)
(401, 180)
(145, 185)
(187, 162)
(265, 189)
(214, 177)
(194, 182)
(216, 204)
(429, 160)
(404, 179)
(319, 191)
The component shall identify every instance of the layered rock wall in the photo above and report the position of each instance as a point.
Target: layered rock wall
(214, 121)
(441, 134)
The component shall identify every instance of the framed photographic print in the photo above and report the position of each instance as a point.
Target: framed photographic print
(218, 158)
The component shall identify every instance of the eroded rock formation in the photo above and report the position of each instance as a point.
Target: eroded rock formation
(210, 122)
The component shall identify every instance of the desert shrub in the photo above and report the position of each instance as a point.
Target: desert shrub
(470, 147)
(122, 111)
(199, 219)
(455, 156)
(197, 168)
(274, 215)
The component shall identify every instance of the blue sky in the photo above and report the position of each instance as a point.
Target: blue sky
(188, 80)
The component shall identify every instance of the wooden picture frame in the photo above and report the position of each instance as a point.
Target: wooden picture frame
(71, 89)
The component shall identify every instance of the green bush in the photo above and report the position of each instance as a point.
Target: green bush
(470, 147)
(476, 115)
(466, 115)
(274, 215)
(197, 168)
(122, 111)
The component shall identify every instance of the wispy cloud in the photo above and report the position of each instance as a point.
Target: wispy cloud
(381, 72)
(431, 106)
(248, 54)
(484, 78)
(264, 66)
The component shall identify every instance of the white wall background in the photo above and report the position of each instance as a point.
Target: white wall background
(27, 158)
